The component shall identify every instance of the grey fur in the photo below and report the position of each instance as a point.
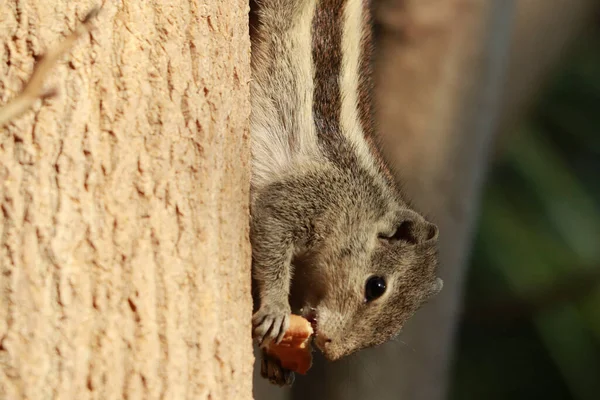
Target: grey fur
(321, 226)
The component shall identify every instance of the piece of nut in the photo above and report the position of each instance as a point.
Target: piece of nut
(294, 351)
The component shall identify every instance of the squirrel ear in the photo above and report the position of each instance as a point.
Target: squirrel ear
(436, 287)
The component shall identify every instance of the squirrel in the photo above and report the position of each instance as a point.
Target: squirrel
(333, 238)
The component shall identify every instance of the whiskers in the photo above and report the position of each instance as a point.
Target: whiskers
(403, 343)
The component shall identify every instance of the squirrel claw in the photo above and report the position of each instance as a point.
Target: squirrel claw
(271, 369)
(270, 324)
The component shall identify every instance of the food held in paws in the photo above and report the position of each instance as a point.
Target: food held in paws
(294, 350)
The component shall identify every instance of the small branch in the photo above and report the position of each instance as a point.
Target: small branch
(34, 89)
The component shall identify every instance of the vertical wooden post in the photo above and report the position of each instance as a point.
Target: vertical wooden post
(124, 253)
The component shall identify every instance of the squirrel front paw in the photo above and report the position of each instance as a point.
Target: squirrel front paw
(271, 369)
(271, 322)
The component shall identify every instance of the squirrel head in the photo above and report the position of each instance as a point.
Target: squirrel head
(371, 264)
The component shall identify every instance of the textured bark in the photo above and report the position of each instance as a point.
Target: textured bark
(124, 253)
(441, 65)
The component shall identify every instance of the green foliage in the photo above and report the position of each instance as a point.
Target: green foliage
(531, 324)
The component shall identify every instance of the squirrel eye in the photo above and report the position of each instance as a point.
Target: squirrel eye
(375, 288)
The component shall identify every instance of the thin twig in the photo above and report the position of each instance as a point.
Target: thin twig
(34, 89)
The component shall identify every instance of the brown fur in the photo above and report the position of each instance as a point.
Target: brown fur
(325, 214)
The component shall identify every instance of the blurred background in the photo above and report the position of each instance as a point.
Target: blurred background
(491, 111)
(530, 325)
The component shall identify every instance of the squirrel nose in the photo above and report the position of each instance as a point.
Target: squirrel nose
(329, 349)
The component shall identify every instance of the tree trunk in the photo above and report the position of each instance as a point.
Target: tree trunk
(124, 253)
(440, 65)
